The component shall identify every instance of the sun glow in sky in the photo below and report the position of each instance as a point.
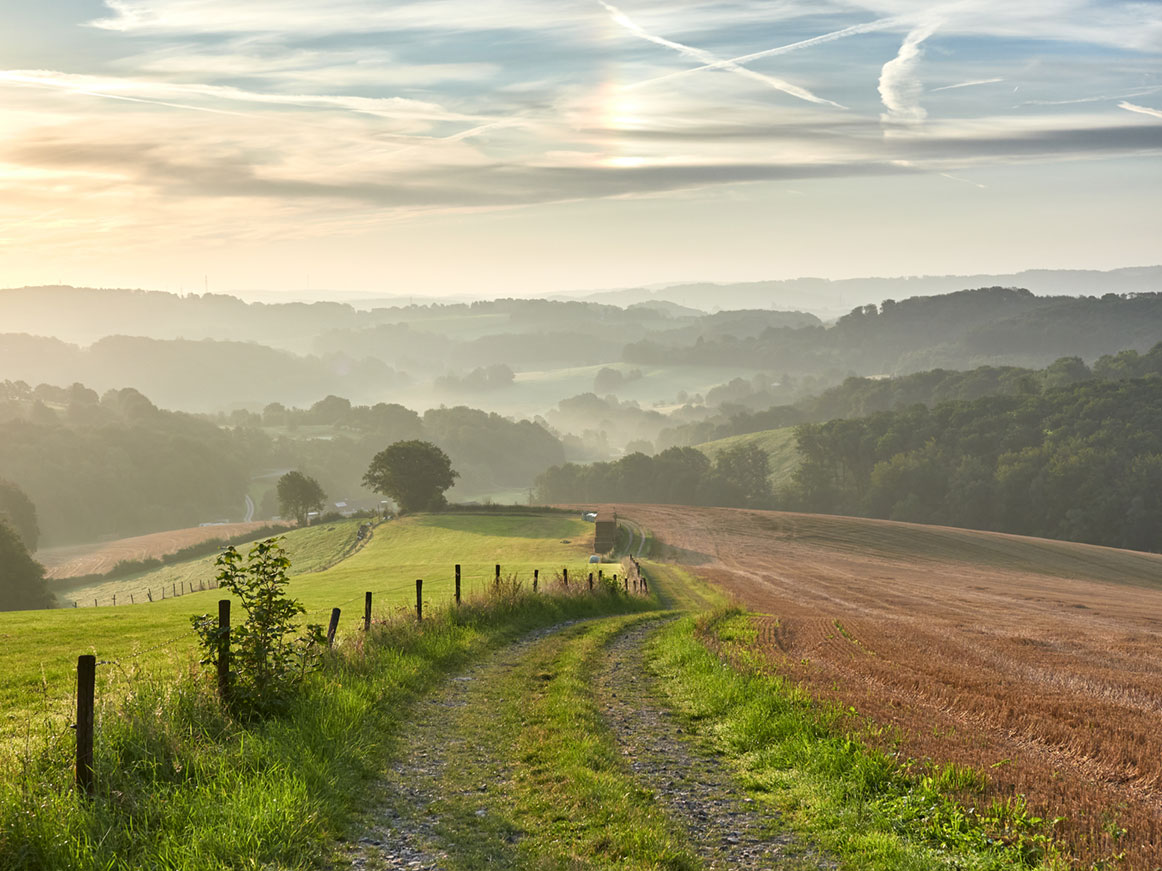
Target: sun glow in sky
(524, 146)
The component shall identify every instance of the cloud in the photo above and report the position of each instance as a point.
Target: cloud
(854, 30)
(971, 84)
(1144, 110)
(709, 59)
(393, 108)
(900, 90)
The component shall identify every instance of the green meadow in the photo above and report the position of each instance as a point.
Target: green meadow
(39, 649)
(782, 452)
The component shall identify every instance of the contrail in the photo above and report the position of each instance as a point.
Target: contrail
(706, 57)
(965, 85)
(855, 29)
(952, 177)
(1144, 110)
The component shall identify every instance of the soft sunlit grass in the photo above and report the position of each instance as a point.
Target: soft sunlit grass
(40, 648)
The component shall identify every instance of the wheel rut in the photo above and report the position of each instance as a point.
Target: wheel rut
(725, 829)
(407, 829)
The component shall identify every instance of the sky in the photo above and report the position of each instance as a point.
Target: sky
(492, 147)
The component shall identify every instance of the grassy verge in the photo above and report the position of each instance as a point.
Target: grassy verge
(871, 810)
(182, 786)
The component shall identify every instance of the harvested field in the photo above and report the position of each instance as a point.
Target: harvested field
(1037, 662)
(98, 558)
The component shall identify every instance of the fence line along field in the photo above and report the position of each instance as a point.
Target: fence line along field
(1036, 662)
(72, 561)
(39, 651)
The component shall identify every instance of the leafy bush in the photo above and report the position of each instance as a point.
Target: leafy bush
(267, 658)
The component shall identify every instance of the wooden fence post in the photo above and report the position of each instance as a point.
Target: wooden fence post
(224, 649)
(565, 575)
(591, 582)
(367, 611)
(114, 600)
(333, 627)
(149, 593)
(131, 602)
(536, 578)
(419, 598)
(457, 583)
(86, 686)
(497, 576)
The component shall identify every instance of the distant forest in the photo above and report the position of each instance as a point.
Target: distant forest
(957, 330)
(116, 465)
(1082, 463)
(211, 353)
(260, 389)
(1066, 452)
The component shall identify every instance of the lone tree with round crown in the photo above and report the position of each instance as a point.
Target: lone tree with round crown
(413, 473)
(299, 495)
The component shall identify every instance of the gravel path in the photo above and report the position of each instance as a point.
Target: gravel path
(425, 791)
(724, 827)
(404, 832)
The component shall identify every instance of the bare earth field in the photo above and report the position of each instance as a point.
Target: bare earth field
(87, 559)
(1037, 662)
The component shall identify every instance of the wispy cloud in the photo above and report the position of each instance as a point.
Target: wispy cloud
(900, 89)
(397, 108)
(1143, 110)
(971, 84)
(709, 59)
(854, 30)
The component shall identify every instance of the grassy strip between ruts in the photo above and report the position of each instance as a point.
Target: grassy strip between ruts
(869, 809)
(182, 786)
(557, 791)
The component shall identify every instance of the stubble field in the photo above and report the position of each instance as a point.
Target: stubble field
(90, 559)
(1036, 662)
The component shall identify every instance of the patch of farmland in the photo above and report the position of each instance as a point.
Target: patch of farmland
(100, 557)
(1036, 662)
(312, 549)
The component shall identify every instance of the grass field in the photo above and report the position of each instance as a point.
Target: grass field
(778, 443)
(39, 650)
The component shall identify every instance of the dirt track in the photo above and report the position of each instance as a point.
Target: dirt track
(1038, 662)
(87, 559)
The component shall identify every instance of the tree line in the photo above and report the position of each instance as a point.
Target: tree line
(117, 465)
(859, 397)
(957, 330)
(685, 476)
(1081, 462)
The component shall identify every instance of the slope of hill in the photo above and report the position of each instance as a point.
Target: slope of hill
(829, 298)
(779, 444)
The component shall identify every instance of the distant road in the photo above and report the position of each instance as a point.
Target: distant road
(249, 510)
